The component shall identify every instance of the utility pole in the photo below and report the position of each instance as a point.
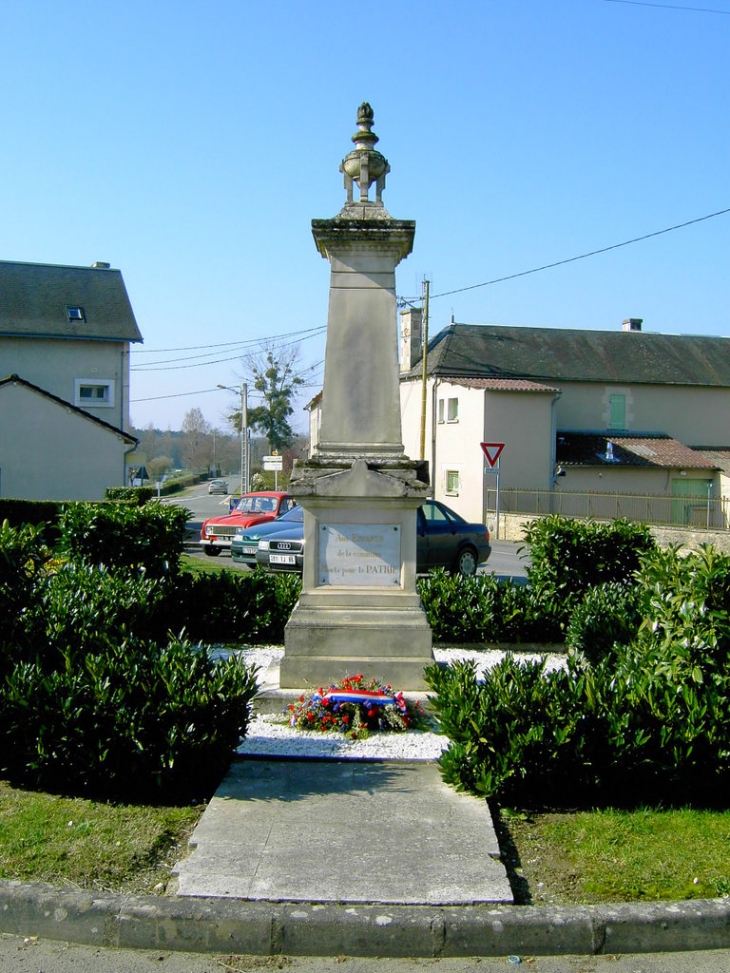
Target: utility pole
(424, 367)
(244, 433)
(244, 439)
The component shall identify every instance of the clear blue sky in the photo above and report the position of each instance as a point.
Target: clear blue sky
(190, 144)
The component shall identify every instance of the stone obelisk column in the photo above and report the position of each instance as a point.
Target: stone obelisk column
(359, 610)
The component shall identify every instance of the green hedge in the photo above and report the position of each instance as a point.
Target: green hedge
(481, 609)
(138, 495)
(148, 538)
(97, 696)
(106, 688)
(568, 557)
(135, 720)
(648, 721)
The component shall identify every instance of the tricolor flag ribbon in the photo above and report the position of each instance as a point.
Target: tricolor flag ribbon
(364, 696)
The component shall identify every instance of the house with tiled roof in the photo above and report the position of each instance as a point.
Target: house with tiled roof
(65, 335)
(626, 411)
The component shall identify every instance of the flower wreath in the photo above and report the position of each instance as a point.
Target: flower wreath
(355, 707)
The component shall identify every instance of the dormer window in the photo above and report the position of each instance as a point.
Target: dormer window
(75, 313)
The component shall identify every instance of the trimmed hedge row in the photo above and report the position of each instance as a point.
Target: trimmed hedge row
(644, 719)
(101, 691)
(106, 688)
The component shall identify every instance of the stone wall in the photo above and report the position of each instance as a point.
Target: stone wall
(511, 529)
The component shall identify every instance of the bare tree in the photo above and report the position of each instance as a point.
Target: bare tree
(197, 440)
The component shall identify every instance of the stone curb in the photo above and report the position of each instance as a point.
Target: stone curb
(272, 928)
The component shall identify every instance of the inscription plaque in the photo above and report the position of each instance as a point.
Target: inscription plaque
(360, 554)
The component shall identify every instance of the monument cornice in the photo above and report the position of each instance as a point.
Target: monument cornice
(336, 235)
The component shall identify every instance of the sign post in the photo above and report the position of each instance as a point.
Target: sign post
(275, 464)
(492, 453)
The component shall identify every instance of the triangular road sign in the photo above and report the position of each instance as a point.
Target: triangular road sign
(492, 451)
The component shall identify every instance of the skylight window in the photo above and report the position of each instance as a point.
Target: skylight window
(75, 313)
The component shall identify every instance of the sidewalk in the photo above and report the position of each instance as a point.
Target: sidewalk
(344, 831)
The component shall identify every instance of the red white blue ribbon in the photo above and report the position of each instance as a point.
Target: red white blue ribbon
(363, 696)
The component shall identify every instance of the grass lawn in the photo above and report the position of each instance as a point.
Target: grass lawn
(611, 855)
(92, 845)
(552, 858)
(210, 565)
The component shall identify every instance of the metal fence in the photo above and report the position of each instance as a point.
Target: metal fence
(711, 513)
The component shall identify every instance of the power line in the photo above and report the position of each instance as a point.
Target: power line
(180, 395)
(582, 256)
(167, 364)
(671, 6)
(225, 344)
(174, 395)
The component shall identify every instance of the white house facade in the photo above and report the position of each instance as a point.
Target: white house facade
(65, 334)
(629, 412)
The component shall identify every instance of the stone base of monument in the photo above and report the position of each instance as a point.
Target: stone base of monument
(359, 610)
(389, 643)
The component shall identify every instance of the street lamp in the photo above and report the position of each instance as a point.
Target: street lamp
(244, 433)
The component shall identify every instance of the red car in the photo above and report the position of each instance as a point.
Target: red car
(250, 509)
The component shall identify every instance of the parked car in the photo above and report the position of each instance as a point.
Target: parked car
(252, 508)
(246, 540)
(444, 540)
(284, 551)
(218, 486)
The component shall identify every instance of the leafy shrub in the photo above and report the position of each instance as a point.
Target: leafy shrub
(133, 720)
(95, 697)
(570, 556)
(149, 538)
(84, 609)
(666, 697)
(519, 735)
(39, 513)
(136, 495)
(480, 608)
(229, 607)
(22, 556)
(649, 721)
(608, 614)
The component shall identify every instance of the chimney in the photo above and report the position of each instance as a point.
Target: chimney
(100, 265)
(632, 324)
(411, 338)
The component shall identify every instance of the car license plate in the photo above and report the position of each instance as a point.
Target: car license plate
(282, 559)
(249, 550)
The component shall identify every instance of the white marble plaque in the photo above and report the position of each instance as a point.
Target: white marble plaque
(359, 554)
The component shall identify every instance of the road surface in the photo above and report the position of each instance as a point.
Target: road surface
(28, 955)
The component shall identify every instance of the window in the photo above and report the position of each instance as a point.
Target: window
(75, 313)
(617, 411)
(452, 411)
(90, 392)
(441, 410)
(452, 483)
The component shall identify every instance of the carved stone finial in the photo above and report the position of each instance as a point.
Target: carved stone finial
(364, 165)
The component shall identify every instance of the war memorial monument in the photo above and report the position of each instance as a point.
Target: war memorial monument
(359, 610)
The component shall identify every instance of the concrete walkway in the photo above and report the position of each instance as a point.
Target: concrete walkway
(344, 831)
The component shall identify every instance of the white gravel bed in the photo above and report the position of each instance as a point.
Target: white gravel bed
(270, 735)
(267, 736)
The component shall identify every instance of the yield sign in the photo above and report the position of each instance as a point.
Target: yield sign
(492, 451)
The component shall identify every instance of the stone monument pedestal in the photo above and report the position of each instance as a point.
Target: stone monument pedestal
(359, 610)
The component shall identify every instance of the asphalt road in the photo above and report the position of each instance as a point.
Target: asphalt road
(19, 955)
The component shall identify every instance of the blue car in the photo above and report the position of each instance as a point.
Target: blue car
(245, 542)
(444, 540)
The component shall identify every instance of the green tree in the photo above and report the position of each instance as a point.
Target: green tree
(274, 379)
